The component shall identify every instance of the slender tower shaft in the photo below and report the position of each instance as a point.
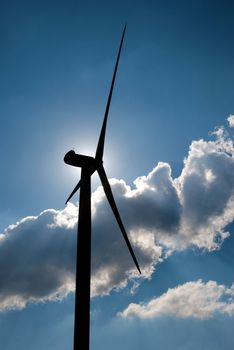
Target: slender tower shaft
(83, 265)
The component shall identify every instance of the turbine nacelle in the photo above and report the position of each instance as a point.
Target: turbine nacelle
(80, 161)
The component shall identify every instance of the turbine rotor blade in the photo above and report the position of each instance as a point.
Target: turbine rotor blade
(73, 192)
(100, 146)
(109, 195)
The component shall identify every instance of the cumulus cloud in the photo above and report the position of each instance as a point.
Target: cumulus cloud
(191, 300)
(230, 120)
(161, 214)
(37, 258)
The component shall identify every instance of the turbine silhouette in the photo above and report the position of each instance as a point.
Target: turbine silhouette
(88, 166)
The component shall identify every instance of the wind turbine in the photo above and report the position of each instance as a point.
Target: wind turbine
(88, 166)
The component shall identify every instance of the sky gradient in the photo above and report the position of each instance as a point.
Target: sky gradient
(169, 152)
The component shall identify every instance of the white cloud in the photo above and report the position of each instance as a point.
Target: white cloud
(193, 299)
(161, 214)
(37, 260)
(230, 120)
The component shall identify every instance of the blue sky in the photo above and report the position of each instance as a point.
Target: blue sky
(174, 88)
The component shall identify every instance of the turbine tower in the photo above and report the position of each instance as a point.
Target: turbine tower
(88, 166)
